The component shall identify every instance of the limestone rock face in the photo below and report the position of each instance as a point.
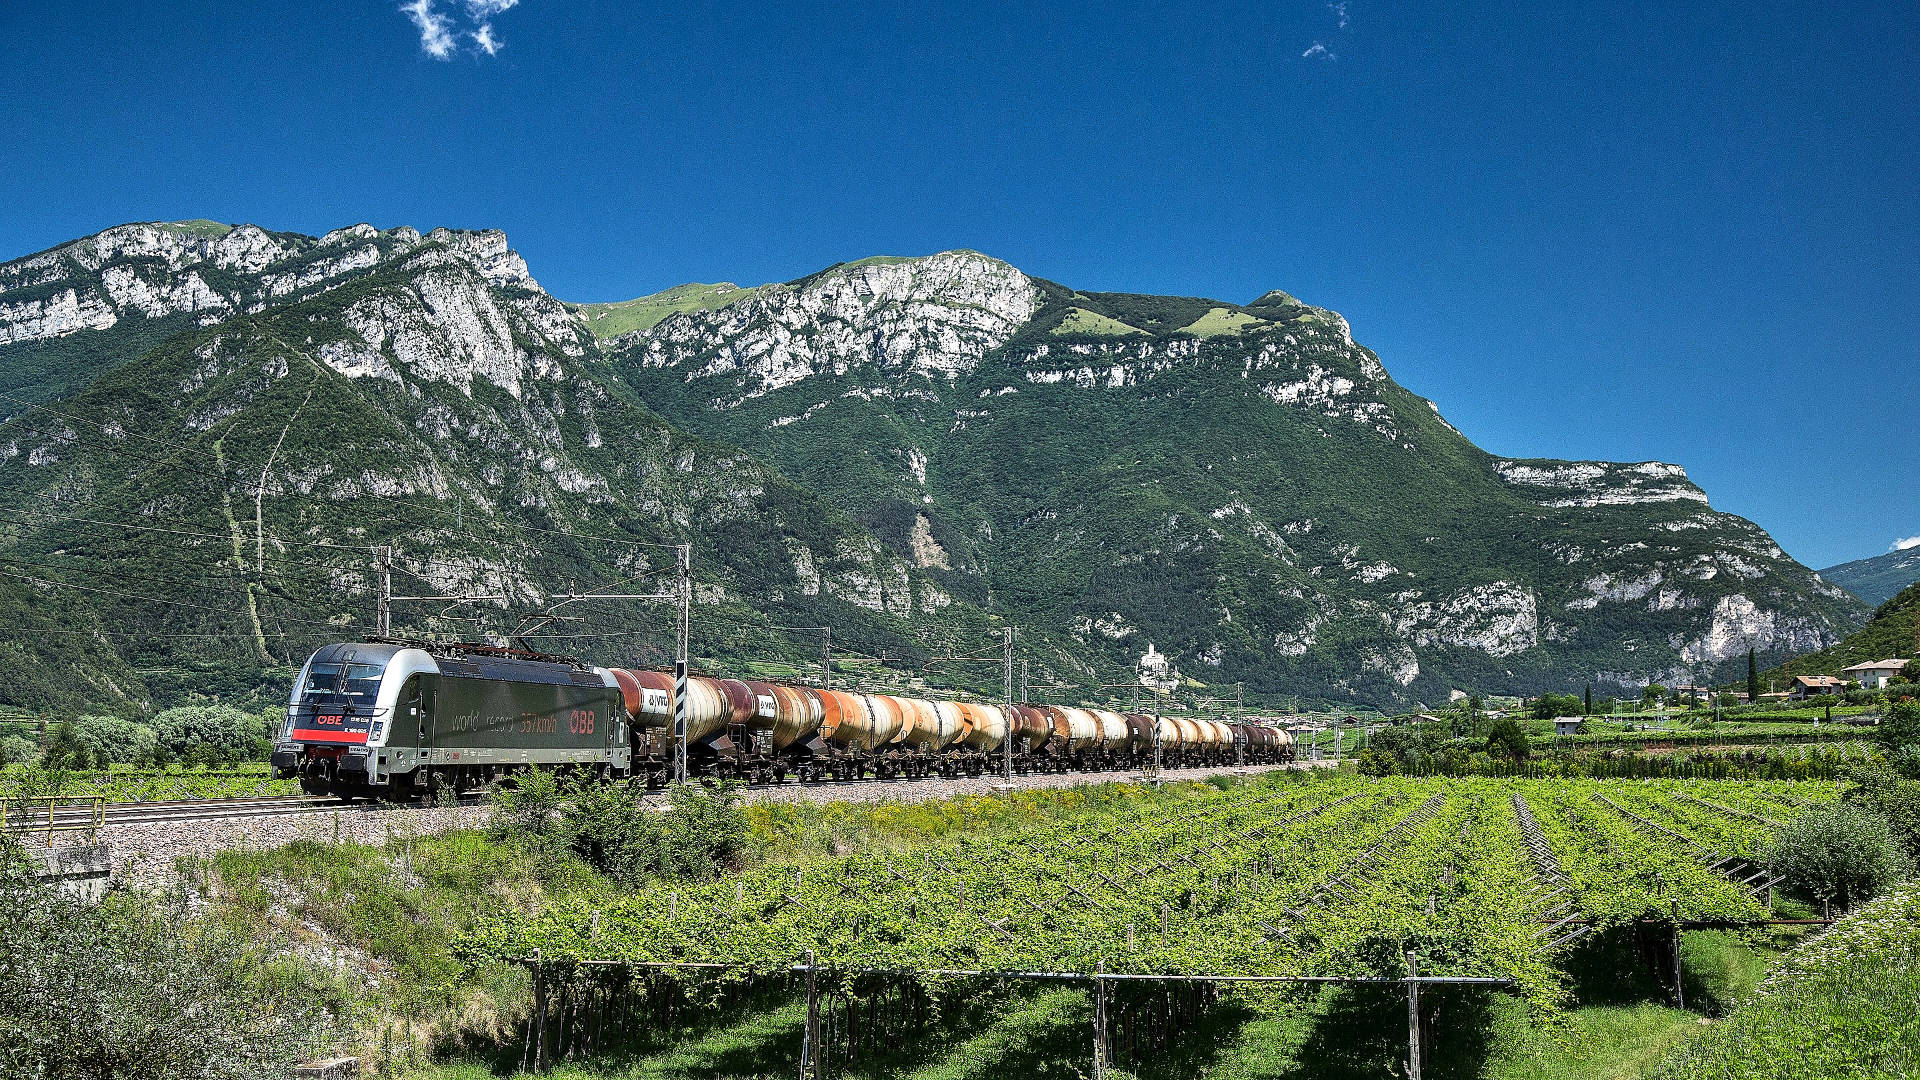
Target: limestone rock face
(1329, 530)
(933, 317)
(157, 270)
(894, 446)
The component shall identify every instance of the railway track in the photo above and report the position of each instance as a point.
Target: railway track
(78, 816)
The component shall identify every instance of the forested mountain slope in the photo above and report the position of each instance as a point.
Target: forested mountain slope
(1878, 579)
(199, 516)
(1242, 485)
(213, 428)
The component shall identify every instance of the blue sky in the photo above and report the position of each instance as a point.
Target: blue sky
(1684, 232)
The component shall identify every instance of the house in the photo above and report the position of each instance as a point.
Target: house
(1806, 686)
(1875, 674)
(1567, 725)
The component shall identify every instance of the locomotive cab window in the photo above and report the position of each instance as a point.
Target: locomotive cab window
(342, 684)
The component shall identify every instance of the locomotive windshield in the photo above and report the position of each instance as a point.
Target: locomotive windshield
(342, 684)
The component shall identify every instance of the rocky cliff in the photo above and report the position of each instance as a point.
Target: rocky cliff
(214, 427)
(1243, 485)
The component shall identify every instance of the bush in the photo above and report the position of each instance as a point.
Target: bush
(1900, 727)
(117, 989)
(1505, 738)
(698, 835)
(527, 810)
(207, 734)
(612, 828)
(99, 741)
(1895, 798)
(16, 750)
(1841, 853)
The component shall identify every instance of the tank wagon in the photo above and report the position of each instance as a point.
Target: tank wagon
(390, 718)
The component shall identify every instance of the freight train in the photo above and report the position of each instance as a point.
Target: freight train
(389, 718)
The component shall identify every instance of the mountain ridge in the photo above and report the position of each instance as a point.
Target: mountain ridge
(913, 450)
(1877, 578)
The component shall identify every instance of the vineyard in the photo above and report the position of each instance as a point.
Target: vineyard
(133, 784)
(1336, 877)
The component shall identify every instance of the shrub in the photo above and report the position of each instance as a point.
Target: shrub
(1840, 853)
(1505, 738)
(1900, 727)
(1895, 798)
(116, 988)
(100, 741)
(16, 750)
(527, 810)
(612, 828)
(207, 734)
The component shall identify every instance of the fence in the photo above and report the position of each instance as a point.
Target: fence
(85, 815)
(560, 1023)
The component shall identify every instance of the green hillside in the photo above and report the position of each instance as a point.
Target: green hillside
(1878, 579)
(488, 451)
(625, 316)
(215, 429)
(1893, 631)
(1241, 486)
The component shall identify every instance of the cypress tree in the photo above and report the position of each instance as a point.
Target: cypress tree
(1589, 710)
(1753, 679)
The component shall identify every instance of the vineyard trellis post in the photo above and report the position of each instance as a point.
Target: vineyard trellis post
(1413, 1017)
(539, 1015)
(1006, 742)
(1101, 1050)
(1679, 990)
(810, 1041)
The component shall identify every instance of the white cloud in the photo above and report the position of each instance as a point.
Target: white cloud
(1339, 12)
(439, 35)
(1320, 50)
(1903, 545)
(436, 36)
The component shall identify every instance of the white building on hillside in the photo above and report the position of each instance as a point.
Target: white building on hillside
(1875, 674)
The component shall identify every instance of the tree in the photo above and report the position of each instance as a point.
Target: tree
(207, 733)
(100, 741)
(1654, 694)
(1838, 853)
(1548, 706)
(15, 750)
(1588, 706)
(1753, 679)
(1900, 727)
(1881, 788)
(1505, 738)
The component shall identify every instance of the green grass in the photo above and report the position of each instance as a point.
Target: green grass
(1609, 1042)
(1841, 1006)
(1221, 322)
(646, 312)
(1082, 321)
(200, 227)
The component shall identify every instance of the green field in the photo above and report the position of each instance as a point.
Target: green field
(420, 942)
